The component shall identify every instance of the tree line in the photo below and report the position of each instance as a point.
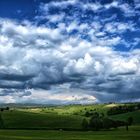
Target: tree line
(99, 121)
(4, 108)
(123, 109)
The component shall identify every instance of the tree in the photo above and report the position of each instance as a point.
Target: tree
(87, 114)
(130, 120)
(126, 126)
(107, 123)
(102, 115)
(95, 122)
(1, 122)
(1, 109)
(85, 124)
(7, 108)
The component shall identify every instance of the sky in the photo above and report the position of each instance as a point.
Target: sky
(69, 51)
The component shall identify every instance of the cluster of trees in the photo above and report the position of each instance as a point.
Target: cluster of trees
(4, 108)
(122, 109)
(89, 113)
(1, 122)
(98, 122)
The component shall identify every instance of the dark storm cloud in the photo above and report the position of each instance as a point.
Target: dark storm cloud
(15, 77)
(15, 92)
(11, 85)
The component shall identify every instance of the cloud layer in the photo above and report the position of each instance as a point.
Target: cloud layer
(71, 53)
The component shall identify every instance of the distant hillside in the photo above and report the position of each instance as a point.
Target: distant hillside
(60, 117)
(124, 116)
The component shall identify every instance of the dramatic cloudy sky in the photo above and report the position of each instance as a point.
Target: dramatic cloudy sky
(69, 51)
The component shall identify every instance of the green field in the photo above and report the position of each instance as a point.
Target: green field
(64, 117)
(64, 123)
(132, 134)
(21, 119)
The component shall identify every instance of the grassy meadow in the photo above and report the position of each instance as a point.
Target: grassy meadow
(119, 134)
(64, 122)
